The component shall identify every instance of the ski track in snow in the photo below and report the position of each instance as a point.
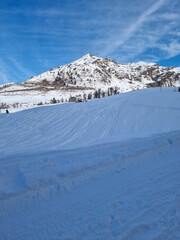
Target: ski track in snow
(133, 199)
(116, 175)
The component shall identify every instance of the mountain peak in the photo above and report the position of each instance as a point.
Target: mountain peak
(86, 78)
(89, 55)
(86, 59)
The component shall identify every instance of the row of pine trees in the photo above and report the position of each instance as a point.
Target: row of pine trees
(92, 95)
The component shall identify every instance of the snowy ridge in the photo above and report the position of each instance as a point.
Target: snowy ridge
(83, 78)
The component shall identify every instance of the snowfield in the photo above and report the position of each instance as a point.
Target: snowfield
(103, 169)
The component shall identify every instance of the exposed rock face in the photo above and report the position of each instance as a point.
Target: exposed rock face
(86, 76)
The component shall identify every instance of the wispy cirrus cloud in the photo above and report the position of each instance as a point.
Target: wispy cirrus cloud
(12, 71)
(120, 38)
(153, 36)
(172, 48)
(20, 67)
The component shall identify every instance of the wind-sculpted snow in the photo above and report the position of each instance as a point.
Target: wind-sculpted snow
(104, 169)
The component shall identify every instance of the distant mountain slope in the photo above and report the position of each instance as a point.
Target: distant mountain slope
(86, 78)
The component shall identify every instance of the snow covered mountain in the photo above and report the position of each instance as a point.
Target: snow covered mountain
(86, 78)
(105, 169)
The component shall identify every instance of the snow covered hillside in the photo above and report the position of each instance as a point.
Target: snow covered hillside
(86, 78)
(103, 169)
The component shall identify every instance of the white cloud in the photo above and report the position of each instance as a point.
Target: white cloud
(12, 71)
(121, 38)
(171, 49)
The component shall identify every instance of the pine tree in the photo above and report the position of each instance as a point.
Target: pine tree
(95, 94)
(99, 93)
(84, 97)
(103, 94)
(89, 96)
(53, 101)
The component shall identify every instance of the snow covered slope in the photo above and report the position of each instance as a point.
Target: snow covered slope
(104, 169)
(83, 77)
(131, 115)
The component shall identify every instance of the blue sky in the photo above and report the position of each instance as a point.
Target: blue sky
(37, 35)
